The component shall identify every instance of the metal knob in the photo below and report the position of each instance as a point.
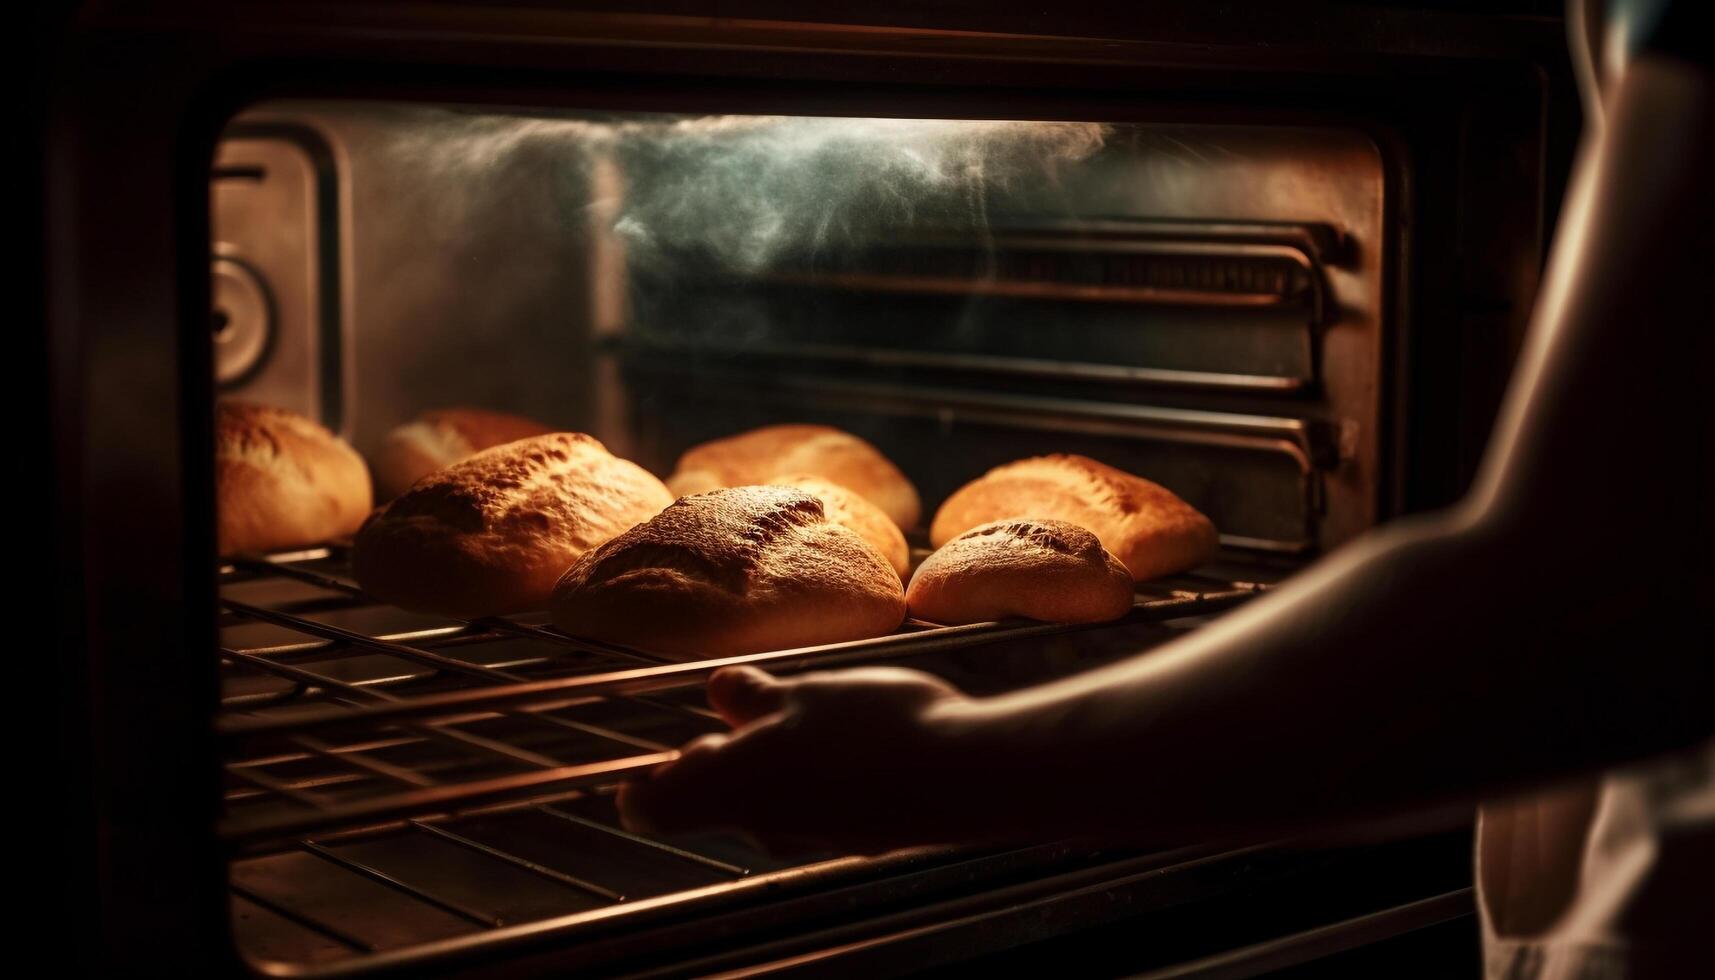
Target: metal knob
(241, 318)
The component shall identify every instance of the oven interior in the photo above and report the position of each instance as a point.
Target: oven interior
(1204, 304)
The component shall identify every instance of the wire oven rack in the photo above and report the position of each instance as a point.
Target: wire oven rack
(456, 776)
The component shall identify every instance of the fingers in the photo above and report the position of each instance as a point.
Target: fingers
(784, 774)
(679, 795)
(700, 789)
(707, 789)
(741, 695)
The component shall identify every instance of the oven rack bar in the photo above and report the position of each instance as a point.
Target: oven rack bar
(946, 863)
(488, 624)
(379, 736)
(550, 805)
(678, 852)
(506, 857)
(820, 890)
(678, 675)
(402, 883)
(313, 923)
(359, 718)
(420, 788)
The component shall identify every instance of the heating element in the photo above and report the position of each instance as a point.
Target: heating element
(397, 782)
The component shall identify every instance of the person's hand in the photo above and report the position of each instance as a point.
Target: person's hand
(857, 761)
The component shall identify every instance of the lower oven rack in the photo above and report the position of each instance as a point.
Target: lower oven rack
(358, 739)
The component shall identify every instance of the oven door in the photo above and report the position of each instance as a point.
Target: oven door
(131, 375)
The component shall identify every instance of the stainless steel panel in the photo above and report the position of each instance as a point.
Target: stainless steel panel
(277, 319)
(497, 260)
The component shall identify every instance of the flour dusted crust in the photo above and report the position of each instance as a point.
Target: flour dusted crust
(733, 571)
(764, 455)
(283, 481)
(1148, 528)
(845, 507)
(493, 533)
(1038, 569)
(440, 438)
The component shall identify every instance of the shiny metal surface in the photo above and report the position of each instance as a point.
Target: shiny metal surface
(481, 724)
(279, 324)
(242, 320)
(1199, 268)
(413, 771)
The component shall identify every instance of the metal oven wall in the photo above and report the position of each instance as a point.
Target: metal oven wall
(375, 260)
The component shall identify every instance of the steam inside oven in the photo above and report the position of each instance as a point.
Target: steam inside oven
(659, 280)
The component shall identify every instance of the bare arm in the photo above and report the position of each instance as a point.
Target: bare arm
(1558, 618)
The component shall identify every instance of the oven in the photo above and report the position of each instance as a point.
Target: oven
(1277, 259)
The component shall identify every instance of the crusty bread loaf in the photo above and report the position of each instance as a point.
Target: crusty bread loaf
(733, 571)
(1152, 531)
(493, 533)
(437, 439)
(762, 456)
(1039, 569)
(844, 506)
(283, 481)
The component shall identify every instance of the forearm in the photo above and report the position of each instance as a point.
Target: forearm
(1401, 673)
(1562, 621)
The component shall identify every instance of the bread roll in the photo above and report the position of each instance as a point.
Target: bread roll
(763, 456)
(1039, 569)
(1152, 531)
(493, 533)
(438, 439)
(845, 507)
(733, 571)
(283, 481)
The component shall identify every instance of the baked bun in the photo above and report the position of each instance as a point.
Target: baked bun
(1152, 531)
(732, 571)
(437, 439)
(283, 481)
(493, 533)
(845, 507)
(764, 455)
(1039, 569)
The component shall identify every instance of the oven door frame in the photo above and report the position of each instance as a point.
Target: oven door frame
(126, 372)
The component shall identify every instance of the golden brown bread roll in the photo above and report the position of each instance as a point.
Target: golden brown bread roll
(493, 533)
(845, 507)
(1152, 531)
(741, 570)
(283, 481)
(764, 455)
(1039, 569)
(440, 438)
